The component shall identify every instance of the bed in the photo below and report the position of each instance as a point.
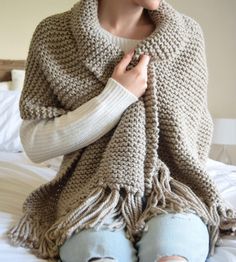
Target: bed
(19, 175)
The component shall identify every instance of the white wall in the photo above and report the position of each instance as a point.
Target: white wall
(18, 20)
(218, 20)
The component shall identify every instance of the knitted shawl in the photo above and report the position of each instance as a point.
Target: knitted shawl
(152, 162)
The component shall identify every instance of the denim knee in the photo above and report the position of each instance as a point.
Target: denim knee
(89, 243)
(174, 234)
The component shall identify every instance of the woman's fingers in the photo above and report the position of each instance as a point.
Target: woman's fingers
(143, 62)
(135, 80)
(121, 66)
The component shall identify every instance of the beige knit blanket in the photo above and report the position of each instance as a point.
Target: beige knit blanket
(151, 162)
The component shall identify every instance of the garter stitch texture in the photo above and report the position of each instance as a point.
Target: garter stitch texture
(151, 162)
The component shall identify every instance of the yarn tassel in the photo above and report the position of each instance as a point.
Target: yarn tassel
(169, 196)
(89, 214)
(131, 209)
(26, 233)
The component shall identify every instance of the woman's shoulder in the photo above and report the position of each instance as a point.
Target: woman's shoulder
(53, 26)
(52, 33)
(55, 19)
(192, 26)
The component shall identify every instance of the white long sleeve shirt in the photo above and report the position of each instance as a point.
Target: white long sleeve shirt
(46, 139)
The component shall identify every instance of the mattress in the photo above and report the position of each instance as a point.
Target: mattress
(19, 176)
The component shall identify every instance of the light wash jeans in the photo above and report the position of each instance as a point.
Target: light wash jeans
(179, 234)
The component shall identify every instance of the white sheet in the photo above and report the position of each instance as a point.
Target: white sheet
(19, 176)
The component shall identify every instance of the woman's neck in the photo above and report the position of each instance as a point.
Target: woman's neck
(125, 19)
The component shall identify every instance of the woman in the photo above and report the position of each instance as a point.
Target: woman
(134, 131)
(127, 22)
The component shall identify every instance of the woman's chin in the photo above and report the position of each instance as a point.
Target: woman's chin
(153, 5)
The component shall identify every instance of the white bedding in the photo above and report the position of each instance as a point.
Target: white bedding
(19, 176)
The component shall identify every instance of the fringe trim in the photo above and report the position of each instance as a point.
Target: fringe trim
(168, 195)
(25, 232)
(90, 214)
(219, 219)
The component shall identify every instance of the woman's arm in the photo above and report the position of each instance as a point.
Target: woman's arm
(46, 139)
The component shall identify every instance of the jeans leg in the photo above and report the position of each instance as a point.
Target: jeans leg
(174, 234)
(90, 243)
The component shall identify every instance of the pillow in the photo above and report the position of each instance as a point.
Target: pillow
(18, 77)
(10, 121)
(7, 85)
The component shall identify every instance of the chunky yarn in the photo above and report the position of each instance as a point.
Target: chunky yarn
(151, 162)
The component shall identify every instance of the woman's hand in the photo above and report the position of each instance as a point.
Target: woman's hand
(135, 80)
